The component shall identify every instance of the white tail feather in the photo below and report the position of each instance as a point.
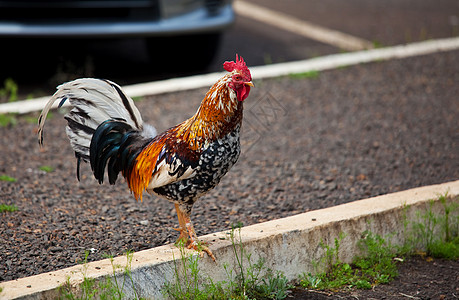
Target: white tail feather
(94, 101)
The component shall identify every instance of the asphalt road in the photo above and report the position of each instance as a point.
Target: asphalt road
(39, 65)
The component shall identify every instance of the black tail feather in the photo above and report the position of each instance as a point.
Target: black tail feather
(78, 157)
(114, 145)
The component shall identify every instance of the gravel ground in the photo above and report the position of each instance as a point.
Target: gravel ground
(309, 143)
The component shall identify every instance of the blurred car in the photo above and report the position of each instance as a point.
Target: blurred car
(194, 25)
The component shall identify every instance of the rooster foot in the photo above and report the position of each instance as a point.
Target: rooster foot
(201, 248)
(183, 237)
(188, 235)
(193, 243)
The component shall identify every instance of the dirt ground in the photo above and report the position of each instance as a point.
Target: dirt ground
(308, 143)
(418, 279)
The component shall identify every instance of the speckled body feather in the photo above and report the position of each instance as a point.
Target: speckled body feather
(213, 163)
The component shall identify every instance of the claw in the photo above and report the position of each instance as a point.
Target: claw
(200, 247)
(207, 250)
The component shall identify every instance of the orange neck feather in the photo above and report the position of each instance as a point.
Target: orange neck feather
(220, 111)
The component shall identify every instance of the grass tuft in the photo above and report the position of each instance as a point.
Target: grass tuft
(375, 266)
(110, 288)
(137, 99)
(309, 75)
(47, 169)
(436, 235)
(7, 178)
(7, 208)
(8, 120)
(9, 92)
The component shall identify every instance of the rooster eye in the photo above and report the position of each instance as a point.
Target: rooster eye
(237, 77)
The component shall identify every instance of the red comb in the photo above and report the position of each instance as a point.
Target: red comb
(238, 65)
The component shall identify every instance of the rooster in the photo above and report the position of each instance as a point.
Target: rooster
(181, 164)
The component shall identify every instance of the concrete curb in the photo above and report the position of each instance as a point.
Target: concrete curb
(259, 72)
(289, 245)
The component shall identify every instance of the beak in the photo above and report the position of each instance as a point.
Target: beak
(249, 83)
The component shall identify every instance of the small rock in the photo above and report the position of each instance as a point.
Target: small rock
(104, 209)
(144, 222)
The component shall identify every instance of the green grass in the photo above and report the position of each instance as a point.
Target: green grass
(9, 119)
(7, 208)
(377, 265)
(12, 119)
(254, 280)
(374, 266)
(115, 287)
(108, 288)
(378, 44)
(30, 118)
(9, 92)
(247, 280)
(47, 169)
(188, 283)
(435, 234)
(7, 178)
(309, 75)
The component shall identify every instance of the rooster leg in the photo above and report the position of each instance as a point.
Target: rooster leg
(188, 234)
(182, 226)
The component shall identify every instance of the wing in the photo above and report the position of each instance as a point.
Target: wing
(163, 161)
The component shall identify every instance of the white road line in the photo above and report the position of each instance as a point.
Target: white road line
(300, 27)
(316, 64)
(354, 58)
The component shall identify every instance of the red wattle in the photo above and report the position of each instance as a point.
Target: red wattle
(243, 93)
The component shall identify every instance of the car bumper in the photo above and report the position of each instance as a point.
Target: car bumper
(195, 22)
